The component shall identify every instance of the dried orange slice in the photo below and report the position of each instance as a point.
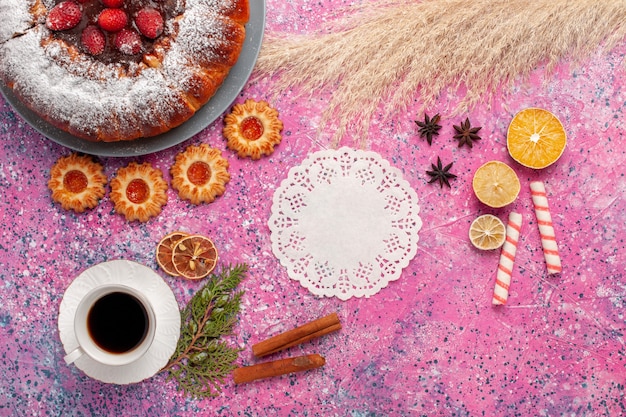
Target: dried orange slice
(496, 184)
(194, 256)
(487, 232)
(164, 251)
(536, 138)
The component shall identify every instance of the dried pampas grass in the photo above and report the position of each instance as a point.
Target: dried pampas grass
(399, 51)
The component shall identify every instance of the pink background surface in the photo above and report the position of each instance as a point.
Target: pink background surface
(430, 343)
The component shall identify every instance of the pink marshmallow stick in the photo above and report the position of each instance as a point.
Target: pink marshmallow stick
(507, 258)
(546, 230)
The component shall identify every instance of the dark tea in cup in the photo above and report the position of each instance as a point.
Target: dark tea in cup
(118, 322)
(114, 324)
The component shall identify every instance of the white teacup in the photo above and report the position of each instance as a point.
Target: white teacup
(114, 325)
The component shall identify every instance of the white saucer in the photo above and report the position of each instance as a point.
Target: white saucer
(166, 309)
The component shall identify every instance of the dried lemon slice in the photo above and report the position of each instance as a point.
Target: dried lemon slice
(496, 184)
(194, 256)
(487, 232)
(77, 182)
(252, 129)
(165, 249)
(536, 138)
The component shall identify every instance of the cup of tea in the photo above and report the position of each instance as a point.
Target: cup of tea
(114, 325)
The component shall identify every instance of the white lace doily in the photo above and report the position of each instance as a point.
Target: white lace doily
(345, 223)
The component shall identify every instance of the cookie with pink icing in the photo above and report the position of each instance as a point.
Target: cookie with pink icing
(112, 71)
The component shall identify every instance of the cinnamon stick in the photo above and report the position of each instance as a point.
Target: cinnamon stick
(304, 333)
(277, 367)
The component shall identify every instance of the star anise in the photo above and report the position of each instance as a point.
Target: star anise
(466, 134)
(441, 173)
(429, 127)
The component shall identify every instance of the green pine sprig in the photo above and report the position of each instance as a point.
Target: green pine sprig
(202, 361)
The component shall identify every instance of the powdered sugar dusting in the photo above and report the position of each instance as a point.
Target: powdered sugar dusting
(15, 18)
(90, 98)
(85, 104)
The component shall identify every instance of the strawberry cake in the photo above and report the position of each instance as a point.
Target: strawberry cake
(113, 70)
